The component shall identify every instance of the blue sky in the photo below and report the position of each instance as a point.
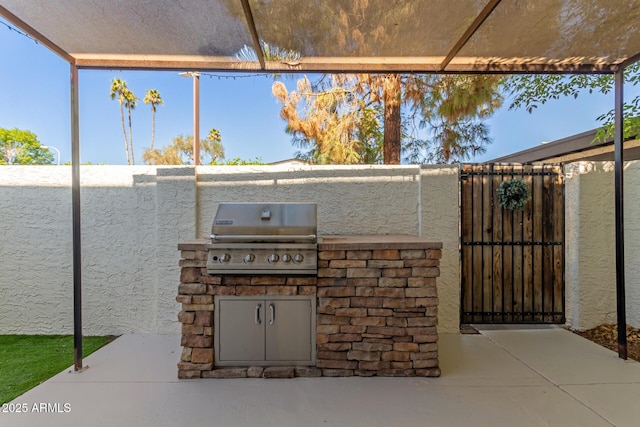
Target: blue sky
(34, 89)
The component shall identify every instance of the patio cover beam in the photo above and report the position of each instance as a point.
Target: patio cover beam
(630, 61)
(469, 32)
(254, 32)
(408, 64)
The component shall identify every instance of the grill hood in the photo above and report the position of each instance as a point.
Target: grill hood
(265, 222)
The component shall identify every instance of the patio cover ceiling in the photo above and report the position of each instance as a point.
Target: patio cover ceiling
(506, 36)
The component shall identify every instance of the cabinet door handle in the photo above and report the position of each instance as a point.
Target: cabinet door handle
(272, 314)
(257, 318)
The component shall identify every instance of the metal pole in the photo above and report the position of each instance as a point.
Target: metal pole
(196, 118)
(75, 212)
(619, 213)
(196, 114)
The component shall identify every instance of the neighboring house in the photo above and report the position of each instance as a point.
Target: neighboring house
(289, 162)
(573, 148)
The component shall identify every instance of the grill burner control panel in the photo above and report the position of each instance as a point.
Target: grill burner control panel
(262, 259)
(264, 238)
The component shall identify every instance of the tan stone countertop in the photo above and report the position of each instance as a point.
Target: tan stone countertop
(376, 241)
(341, 242)
(194, 245)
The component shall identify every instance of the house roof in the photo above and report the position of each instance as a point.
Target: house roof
(337, 35)
(579, 147)
(289, 162)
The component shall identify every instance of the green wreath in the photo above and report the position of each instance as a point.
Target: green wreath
(513, 194)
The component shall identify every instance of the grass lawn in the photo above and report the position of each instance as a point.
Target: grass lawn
(28, 360)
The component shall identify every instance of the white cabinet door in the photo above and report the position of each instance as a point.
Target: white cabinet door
(288, 325)
(241, 330)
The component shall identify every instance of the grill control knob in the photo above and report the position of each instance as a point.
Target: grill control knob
(286, 258)
(249, 258)
(273, 258)
(297, 258)
(225, 258)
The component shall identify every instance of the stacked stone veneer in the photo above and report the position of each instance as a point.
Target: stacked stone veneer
(377, 308)
(376, 314)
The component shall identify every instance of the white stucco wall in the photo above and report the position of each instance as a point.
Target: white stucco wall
(590, 277)
(350, 199)
(35, 249)
(632, 241)
(118, 249)
(439, 222)
(134, 217)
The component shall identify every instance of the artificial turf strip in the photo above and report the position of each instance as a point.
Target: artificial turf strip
(28, 360)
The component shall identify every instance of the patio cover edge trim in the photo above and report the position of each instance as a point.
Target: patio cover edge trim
(339, 65)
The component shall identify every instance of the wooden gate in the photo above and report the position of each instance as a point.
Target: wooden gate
(512, 263)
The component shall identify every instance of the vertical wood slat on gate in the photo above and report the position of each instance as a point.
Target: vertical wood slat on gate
(476, 270)
(497, 264)
(512, 261)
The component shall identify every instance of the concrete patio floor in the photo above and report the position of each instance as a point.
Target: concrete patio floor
(535, 376)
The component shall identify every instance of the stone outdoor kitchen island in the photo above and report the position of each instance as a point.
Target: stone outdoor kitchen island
(376, 309)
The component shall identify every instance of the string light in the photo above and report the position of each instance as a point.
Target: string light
(210, 75)
(11, 28)
(243, 76)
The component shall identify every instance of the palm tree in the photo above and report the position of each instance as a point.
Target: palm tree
(130, 102)
(118, 90)
(213, 145)
(152, 97)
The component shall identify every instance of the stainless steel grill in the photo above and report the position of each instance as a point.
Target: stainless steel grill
(264, 238)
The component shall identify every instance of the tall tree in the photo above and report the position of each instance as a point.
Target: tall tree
(152, 97)
(333, 125)
(367, 28)
(22, 147)
(180, 152)
(118, 91)
(531, 91)
(391, 89)
(454, 113)
(444, 121)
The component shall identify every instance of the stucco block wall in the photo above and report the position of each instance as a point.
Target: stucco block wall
(632, 241)
(439, 221)
(175, 221)
(351, 199)
(134, 217)
(35, 249)
(590, 276)
(118, 249)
